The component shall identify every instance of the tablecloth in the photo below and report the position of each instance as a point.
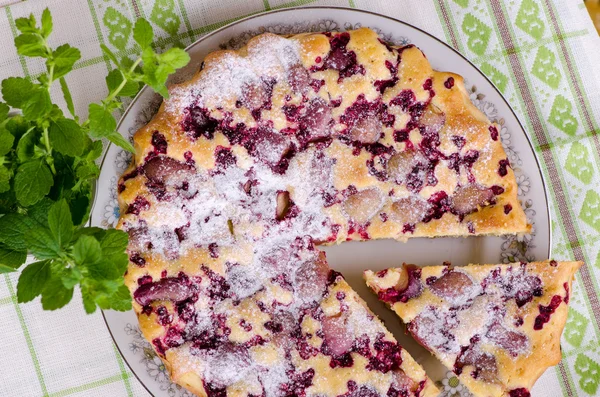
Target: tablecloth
(544, 56)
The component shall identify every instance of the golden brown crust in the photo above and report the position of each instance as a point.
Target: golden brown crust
(291, 137)
(529, 342)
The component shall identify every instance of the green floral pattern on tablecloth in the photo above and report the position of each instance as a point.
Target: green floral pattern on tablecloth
(535, 51)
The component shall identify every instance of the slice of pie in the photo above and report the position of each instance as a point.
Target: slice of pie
(269, 150)
(497, 327)
(305, 332)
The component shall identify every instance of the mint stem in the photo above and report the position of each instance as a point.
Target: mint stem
(50, 76)
(49, 158)
(126, 78)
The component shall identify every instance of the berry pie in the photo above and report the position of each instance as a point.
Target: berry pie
(270, 151)
(497, 327)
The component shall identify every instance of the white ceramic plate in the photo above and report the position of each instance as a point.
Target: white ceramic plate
(352, 258)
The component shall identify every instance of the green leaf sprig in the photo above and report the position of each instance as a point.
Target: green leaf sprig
(48, 168)
(92, 257)
(150, 68)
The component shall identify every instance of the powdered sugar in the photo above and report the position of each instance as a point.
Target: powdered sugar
(477, 315)
(272, 377)
(474, 321)
(361, 322)
(463, 294)
(225, 78)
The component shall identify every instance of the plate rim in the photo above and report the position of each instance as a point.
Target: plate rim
(316, 7)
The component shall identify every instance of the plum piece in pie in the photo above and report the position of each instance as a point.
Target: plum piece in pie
(497, 327)
(269, 150)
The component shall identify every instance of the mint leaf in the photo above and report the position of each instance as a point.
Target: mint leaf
(8, 202)
(121, 300)
(157, 68)
(60, 223)
(18, 126)
(12, 230)
(55, 113)
(32, 281)
(127, 64)
(5, 175)
(67, 95)
(63, 58)
(96, 292)
(32, 182)
(87, 251)
(39, 212)
(4, 109)
(67, 137)
(102, 123)
(118, 140)
(114, 242)
(16, 91)
(55, 295)
(94, 150)
(88, 300)
(175, 58)
(104, 290)
(154, 75)
(38, 105)
(6, 269)
(109, 54)
(103, 270)
(65, 180)
(26, 25)
(97, 232)
(114, 80)
(130, 89)
(41, 243)
(142, 33)
(6, 141)
(46, 23)
(80, 209)
(71, 277)
(113, 247)
(105, 260)
(31, 45)
(12, 258)
(87, 171)
(26, 146)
